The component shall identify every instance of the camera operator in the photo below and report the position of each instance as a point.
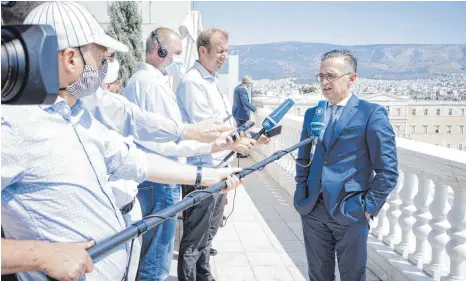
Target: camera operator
(56, 158)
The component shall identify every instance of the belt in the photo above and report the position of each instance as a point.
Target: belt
(128, 207)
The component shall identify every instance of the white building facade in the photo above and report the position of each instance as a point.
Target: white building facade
(440, 123)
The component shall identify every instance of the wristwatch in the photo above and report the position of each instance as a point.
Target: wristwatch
(197, 185)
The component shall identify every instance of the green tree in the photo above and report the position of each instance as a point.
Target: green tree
(125, 26)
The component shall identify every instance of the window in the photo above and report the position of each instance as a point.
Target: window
(397, 128)
(438, 111)
(413, 112)
(437, 129)
(460, 146)
(461, 129)
(448, 129)
(398, 112)
(462, 111)
(450, 111)
(425, 128)
(413, 129)
(448, 145)
(426, 111)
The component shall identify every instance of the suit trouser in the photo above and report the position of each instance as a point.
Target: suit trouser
(323, 236)
(200, 224)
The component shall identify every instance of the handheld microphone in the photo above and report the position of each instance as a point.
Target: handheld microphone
(274, 118)
(317, 125)
(268, 124)
(243, 128)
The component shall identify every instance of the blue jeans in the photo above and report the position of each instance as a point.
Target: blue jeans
(158, 243)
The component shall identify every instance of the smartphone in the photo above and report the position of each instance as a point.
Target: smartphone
(243, 128)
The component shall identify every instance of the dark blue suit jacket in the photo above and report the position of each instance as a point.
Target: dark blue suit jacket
(358, 169)
(241, 105)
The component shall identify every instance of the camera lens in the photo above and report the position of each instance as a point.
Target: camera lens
(14, 67)
(29, 64)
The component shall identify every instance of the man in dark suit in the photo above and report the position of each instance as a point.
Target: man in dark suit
(242, 107)
(353, 170)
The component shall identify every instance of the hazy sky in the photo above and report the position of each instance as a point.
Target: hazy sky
(343, 23)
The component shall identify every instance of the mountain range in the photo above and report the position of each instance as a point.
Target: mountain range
(389, 62)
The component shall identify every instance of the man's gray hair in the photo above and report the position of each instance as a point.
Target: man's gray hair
(165, 36)
(350, 61)
(151, 44)
(204, 38)
(246, 79)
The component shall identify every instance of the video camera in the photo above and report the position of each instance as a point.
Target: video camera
(29, 64)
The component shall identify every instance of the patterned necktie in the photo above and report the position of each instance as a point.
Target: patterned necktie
(331, 125)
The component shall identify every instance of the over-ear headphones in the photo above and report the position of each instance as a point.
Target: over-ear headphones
(162, 51)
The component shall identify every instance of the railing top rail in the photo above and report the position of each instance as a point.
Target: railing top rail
(436, 160)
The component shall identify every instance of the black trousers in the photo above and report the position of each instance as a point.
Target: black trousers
(200, 224)
(323, 236)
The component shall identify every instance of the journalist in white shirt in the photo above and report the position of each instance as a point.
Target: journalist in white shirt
(149, 89)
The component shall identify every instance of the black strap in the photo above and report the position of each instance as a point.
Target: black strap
(125, 277)
(197, 184)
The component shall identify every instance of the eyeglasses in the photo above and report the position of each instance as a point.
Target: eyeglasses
(330, 77)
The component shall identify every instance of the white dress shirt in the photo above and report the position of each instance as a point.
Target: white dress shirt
(148, 88)
(200, 98)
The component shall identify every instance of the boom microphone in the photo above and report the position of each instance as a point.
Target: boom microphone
(192, 199)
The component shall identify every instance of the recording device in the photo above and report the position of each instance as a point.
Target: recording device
(243, 128)
(140, 227)
(268, 124)
(29, 64)
(274, 132)
(271, 133)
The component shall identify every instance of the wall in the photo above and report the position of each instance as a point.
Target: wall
(154, 13)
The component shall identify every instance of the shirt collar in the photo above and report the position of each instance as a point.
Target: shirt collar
(204, 72)
(344, 102)
(58, 103)
(61, 107)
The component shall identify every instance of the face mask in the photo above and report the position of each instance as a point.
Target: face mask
(89, 80)
(175, 68)
(112, 72)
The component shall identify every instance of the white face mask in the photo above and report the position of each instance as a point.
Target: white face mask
(112, 72)
(176, 67)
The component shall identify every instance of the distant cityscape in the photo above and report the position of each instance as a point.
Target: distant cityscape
(445, 87)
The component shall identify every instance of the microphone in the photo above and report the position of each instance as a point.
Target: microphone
(140, 227)
(241, 129)
(276, 115)
(268, 124)
(317, 125)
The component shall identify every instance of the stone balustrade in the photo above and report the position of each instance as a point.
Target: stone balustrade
(423, 223)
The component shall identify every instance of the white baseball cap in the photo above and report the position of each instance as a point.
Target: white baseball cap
(75, 25)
